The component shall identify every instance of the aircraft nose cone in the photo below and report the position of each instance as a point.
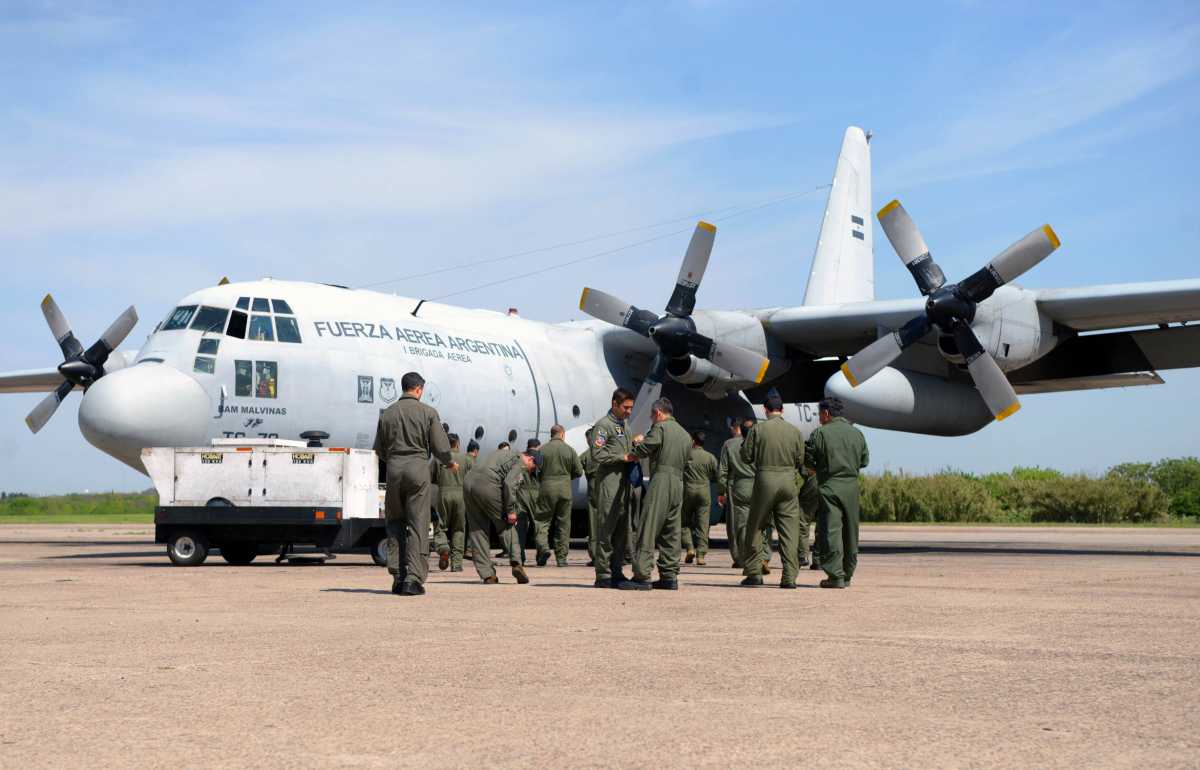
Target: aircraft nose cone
(144, 406)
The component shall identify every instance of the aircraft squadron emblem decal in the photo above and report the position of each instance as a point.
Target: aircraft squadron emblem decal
(366, 390)
(387, 389)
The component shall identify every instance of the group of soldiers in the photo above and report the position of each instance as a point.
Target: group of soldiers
(767, 478)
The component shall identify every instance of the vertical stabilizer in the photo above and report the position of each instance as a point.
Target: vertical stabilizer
(843, 268)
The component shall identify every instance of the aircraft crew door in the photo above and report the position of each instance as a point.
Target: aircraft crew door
(543, 414)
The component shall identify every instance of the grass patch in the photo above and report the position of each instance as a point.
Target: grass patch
(108, 508)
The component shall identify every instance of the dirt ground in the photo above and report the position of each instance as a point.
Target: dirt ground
(955, 647)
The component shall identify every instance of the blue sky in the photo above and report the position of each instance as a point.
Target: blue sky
(146, 151)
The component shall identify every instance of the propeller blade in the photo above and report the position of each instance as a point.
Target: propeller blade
(41, 414)
(995, 388)
(113, 336)
(61, 329)
(741, 362)
(639, 420)
(616, 311)
(906, 239)
(869, 361)
(695, 261)
(1011, 263)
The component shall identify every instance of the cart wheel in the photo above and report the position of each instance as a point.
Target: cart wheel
(187, 548)
(240, 554)
(379, 552)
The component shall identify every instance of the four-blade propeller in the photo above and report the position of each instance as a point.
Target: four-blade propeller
(675, 333)
(79, 367)
(951, 308)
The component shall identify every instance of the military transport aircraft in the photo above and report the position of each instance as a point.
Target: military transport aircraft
(276, 358)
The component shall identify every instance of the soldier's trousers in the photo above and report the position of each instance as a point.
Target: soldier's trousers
(591, 538)
(485, 513)
(454, 517)
(697, 504)
(406, 512)
(739, 510)
(837, 528)
(556, 502)
(773, 502)
(662, 511)
(611, 522)
(809, 499)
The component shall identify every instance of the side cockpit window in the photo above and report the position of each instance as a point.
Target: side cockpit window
(210, 319)
(179, 318)
(288, 330)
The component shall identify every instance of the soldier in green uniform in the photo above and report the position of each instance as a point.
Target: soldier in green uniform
(808, 496)
(837, 451)
(667, 446)
(610, 451)
(407, 433)
(473, 456)
(776, 448)
(589, 474)
(735, 485)
(492, 492)
(560, 465)
(698, 476)
(452, 507)
(529, 504)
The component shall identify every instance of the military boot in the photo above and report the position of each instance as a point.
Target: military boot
(518, 572)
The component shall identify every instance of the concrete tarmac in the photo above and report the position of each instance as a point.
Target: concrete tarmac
(955, 647)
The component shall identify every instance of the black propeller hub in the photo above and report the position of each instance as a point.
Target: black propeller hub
(80, 372)
(673, 335)
(945, 308)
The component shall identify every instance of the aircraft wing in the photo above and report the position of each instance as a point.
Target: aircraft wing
(1114, 306)
(837, 330)
(30, 381)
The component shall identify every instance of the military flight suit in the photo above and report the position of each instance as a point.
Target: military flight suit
(698, 476)
(560, 464)
(809, 497)
(609, 447)
(527, 505)
(452, 508)
(589, 474)
(735, 480)
(491, 492)
(407, 433)
(667, 446)
(776, 448)
(837, 451)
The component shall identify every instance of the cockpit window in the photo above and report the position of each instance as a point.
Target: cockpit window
(260, 328)
(210, 319)
(289, 330)
(179, 317)
(243, 303)
(237, 325)
(260, 305)
(208, 346)
(281, 306)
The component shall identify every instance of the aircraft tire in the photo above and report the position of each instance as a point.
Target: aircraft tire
(379, 552)
(187, 548)
(239, 554)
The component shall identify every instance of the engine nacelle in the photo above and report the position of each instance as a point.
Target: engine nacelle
(896, 399)
(703, 377)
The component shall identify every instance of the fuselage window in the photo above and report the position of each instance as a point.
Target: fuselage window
(204, 365)
(265, 379)
(281, 306)
(260, 328)
(210, 319)
(261, 306)
(575, 410)
(237, 325)
(243, 382)
(179, 318)
(289, 330)
(208, 346)
(243, 303)
(479, 433)
(512, 436)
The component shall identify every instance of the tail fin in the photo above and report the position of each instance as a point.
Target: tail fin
(843, 268)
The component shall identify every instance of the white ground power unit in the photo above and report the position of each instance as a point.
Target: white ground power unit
(247, 497)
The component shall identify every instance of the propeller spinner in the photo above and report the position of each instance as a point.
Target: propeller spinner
(951, 308)
(79, 367)
(675, 332)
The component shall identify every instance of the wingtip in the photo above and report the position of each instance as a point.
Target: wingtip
(850, 378)
(1009, 411)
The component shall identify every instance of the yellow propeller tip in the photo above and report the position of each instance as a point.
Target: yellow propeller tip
(849, 377)
(1053, 236)
(706, 226)
(46, 300)
(762, 371)
(888, 209)
(1009, 410)
(583, 298)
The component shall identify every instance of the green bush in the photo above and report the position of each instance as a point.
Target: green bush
(1180, 480)
(943, 497)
